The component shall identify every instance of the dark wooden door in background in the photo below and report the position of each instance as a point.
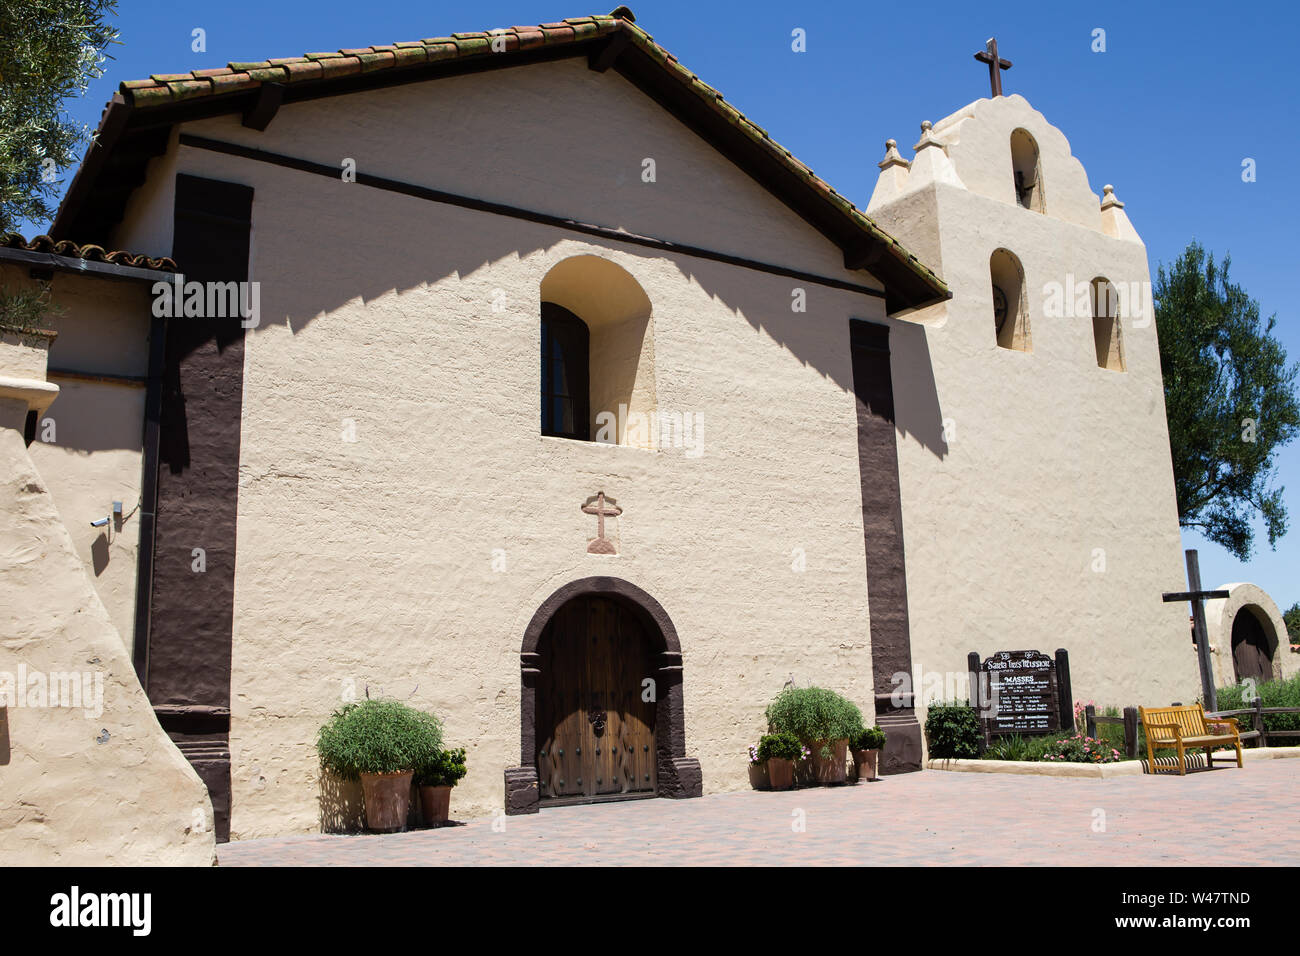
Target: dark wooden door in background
(1250, 648)
(595, 734)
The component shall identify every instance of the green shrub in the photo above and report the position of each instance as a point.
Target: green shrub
(1278, 693)
(953, 730)
(781, 746)
(378, 736)
(445, 769)
(813, 713)
(870, 738)
(1016, 747)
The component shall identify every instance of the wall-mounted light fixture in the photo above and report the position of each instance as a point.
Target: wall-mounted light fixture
(115, 517)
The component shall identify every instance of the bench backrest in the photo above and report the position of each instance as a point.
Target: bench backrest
(1190, 719)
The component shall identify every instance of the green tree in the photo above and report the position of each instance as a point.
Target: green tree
(1292, 619)
(50, 50)
(1230, 398)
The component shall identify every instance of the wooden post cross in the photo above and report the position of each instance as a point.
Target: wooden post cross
(996, 64)
(1197, 597)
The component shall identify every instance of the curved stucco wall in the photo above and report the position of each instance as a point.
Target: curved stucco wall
(95, 780)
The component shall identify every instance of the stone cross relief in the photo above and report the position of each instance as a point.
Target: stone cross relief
(602, 508)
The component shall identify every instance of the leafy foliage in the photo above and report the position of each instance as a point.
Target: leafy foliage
(378, 736)
(49, 51)
(953, 730)
(1292, 619)
(1016, 747)
(813, 713)
(1277, 693)
(445, 769)
(1230, 399)
(24, 308)
(781, 746)
(869, 738)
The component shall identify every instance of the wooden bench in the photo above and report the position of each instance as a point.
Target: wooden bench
(1183, 728)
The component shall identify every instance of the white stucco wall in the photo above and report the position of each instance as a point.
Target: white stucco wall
(370, 563)
(1038, 496)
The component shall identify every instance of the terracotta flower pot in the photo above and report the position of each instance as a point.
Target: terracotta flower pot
(780, 773)
(758, 776)
(865, 763)
(388, 800)
(829, 770)
(435, 805)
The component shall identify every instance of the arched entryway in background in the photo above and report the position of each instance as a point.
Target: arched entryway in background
(600, 673)
(1247, 632)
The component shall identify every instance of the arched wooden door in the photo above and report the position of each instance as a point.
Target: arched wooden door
(1250, 648)
(595, 732)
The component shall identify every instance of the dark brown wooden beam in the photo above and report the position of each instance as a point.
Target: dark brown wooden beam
(862, 254)
(267, 104)
(1178, 596)
(514, 212)
(601, 60)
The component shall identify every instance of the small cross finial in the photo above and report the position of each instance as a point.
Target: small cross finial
(996, 64)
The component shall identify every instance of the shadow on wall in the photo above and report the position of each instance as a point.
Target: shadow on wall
(917, 413)
(453, 244)
(342, 805)
(99, 554)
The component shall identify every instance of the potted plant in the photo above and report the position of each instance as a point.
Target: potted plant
(779, 752)
(866, 745)
(435, 780)
(757, 770)
(380, 742)
(823, 721)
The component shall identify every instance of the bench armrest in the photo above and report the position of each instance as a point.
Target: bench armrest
(1229, 722)
(1151, 726)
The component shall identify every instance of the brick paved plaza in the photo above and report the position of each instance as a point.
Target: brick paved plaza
(1211, 818)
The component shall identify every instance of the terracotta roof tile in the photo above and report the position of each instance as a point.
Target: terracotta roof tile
(89, 252)
(308, 70)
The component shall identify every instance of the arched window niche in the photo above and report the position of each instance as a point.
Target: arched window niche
(1107, 336)
(1027, 170)
(617, 401)
(1010, 302)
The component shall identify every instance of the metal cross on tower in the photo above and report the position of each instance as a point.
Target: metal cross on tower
(996, 64)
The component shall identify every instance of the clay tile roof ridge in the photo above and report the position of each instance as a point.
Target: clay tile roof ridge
(89, 252)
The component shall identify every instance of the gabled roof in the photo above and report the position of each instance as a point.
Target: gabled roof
(137, 123)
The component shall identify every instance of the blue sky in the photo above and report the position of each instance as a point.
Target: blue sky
(1167, 113)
